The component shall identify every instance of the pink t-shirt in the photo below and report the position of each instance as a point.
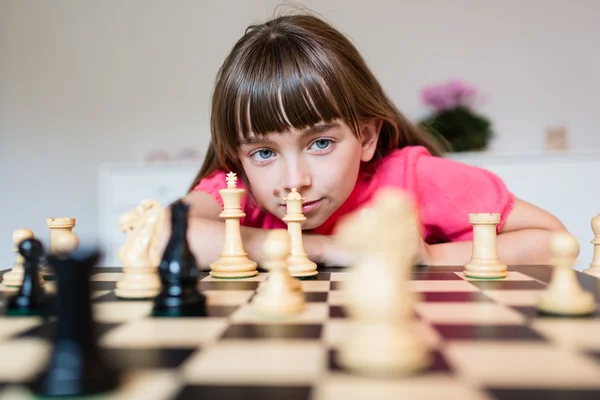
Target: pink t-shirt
(446, 191)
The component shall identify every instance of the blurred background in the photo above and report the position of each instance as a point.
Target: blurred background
(90, 90)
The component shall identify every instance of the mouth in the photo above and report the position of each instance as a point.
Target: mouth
(309, 207)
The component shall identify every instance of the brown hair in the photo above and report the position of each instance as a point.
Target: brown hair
(296, 71)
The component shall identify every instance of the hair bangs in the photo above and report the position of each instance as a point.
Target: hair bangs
(293, 72)
(289, 93)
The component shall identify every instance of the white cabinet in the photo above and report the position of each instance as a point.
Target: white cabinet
(562, 183)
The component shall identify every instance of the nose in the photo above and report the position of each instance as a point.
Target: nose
(297, 176)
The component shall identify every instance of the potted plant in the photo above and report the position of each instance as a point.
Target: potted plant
(453, 119)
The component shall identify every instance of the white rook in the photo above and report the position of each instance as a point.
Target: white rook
(485, 262)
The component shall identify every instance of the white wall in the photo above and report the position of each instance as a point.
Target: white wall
(85, 82)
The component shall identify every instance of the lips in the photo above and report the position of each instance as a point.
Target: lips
(309, 206)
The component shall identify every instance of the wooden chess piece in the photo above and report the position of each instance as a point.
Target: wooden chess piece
(299, 263)
(281, 294)
(65, 243)
(14, 277)
(564, 294)
(233, 260)
(485, 262)
(594, 268)
(139, 254)
(383, 340)
(76, 366)
(58, 227)
(179, 295)
(31, 297)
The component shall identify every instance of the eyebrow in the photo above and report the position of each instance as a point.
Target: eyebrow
(317, 128)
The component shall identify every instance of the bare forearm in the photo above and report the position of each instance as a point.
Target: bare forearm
(206, 238)
(522, 247)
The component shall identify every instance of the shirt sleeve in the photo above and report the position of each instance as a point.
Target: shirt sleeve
(448, 191)
(254, 215)
(211, 184)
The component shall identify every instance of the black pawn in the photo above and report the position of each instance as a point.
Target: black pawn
(76, 367)
(31, 297)
(178, 270)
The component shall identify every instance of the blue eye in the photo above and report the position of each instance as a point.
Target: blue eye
(264, 154)
(322, 144)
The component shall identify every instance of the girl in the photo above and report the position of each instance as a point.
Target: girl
(295, 106)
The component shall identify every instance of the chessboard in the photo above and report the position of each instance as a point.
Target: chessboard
(486, 338)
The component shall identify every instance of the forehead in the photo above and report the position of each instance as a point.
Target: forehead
(290, 133)
(272, 104)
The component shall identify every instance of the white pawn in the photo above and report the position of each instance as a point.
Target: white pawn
(281, 294)
(564, 295)
(594, 268)
(65, 243)
(484, 261)
(14, 277)
(299, 263)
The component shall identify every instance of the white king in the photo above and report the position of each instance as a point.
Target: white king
(233, 261)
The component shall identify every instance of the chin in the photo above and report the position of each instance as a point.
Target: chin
(312, 223)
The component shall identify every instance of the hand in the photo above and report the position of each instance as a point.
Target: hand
(336, 256)
(424, 254)
(324, 250)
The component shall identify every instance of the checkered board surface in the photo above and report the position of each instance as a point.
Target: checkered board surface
(486, 337)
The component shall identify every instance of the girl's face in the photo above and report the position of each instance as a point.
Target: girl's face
(322, 162)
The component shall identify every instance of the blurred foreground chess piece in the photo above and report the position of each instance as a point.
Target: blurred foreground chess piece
(281, 295)
(31, 297)
(299, 263)
(564, 295)
(179, 295)
(557, 138)
(484, 261)
(139, 255)
(233, 261)
(61, 229)
(386, 240)
(594, 268)
(14, 277)
(76, 366)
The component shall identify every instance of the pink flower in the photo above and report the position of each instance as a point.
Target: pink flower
(449, 95)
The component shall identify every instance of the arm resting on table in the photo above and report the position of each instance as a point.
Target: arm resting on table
(523, 239)
(206, 236)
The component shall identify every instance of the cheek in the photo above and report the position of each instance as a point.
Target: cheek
(341, 172)
(261, 181)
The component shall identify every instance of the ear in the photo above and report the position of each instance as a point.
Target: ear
(370, 136)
